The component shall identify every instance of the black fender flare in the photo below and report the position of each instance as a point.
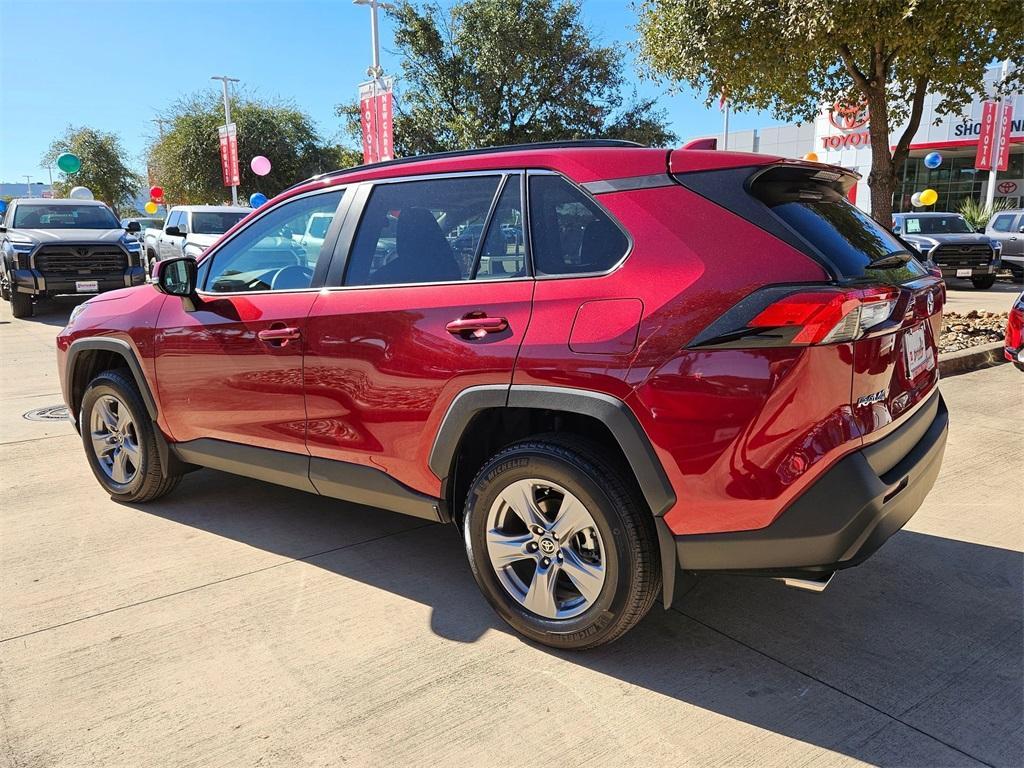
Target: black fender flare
(106, 344)
(611, 411)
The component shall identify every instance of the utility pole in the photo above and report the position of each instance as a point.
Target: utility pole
(990, 193)
(28, 183)
(160, 125)
(224, 80)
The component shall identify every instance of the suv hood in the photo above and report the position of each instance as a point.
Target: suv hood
(966, 238)
(44, 236)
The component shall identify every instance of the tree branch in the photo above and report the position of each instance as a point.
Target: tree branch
(851, 67)
(914, 122)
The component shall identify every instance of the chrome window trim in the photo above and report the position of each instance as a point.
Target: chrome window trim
(339, 215)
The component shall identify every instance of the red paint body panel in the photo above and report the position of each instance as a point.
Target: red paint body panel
(381, 370)
(606, 327)
(217, 379)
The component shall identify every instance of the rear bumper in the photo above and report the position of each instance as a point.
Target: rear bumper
(34, 282)
(843, 518)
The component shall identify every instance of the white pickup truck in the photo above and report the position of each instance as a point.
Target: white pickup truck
(189, 230)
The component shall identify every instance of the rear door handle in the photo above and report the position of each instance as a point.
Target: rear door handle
(477, 326)
(279, 337)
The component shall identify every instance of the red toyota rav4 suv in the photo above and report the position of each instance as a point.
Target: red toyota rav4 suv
(607, 364)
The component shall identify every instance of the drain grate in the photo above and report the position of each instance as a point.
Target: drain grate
(49, 413)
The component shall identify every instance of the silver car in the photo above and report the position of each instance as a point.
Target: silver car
(1008, 228)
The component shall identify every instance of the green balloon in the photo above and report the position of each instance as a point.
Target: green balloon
(69, 163)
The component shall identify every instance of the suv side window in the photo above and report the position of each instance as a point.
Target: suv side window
(504, 251)
(569, 233)
(421, 231)
(1003, 223)
(269, 255)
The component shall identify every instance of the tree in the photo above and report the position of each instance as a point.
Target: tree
(792, 56)
(186, 160)
(104, 168)
(487, 72)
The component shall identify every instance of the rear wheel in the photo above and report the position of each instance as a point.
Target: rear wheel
(120, 441)
(21, 303)
(984, 282)
(561, 544)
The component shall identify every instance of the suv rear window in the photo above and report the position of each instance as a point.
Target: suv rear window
(848, 238)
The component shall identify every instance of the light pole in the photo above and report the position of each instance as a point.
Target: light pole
(224, 80)
(28, 184)
(990, 192)
(375, 71)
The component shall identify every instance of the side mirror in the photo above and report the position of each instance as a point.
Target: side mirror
(1019, 230)
(174, 232)
(176, 277)
(133, 227)
(980, 230)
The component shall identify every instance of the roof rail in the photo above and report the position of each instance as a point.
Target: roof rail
(568, 144)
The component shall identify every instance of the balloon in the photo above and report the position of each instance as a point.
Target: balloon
(929, 196)
(81, 193)
(3, 206)
(149, 207)
(260, 165)
(811, 156)
(933, 160)
(69, 163)
(256, 199)
(156, 192)
(915, 200)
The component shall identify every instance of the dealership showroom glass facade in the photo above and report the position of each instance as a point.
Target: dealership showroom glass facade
(840, 137)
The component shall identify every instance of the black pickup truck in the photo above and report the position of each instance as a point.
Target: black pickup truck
(59, 247)
(947, 241)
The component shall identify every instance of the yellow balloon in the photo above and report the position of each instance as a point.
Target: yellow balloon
(929, 196)
(811, 156)
(150, 207)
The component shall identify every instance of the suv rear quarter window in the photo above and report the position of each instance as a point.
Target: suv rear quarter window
(569, 232)
(1003, 222)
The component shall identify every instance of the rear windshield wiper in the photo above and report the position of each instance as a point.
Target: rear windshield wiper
(897, 259)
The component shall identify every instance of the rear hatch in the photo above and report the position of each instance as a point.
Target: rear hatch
(881, 299)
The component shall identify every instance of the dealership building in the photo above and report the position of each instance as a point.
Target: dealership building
(840, 137)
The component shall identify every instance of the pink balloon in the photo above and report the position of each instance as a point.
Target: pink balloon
(260, 165)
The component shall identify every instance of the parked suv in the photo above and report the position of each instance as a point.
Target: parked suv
(1007, 228)
(682, 361)
(947, 241)
(57, 247)
(189, 230)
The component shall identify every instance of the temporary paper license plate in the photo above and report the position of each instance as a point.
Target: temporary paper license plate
(963, 273)
(919, 357)
(87, 286)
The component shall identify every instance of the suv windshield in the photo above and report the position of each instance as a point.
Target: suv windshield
(35, 216)
(936, 225)
(215, 222)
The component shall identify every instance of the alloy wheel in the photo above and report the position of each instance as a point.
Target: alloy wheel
(545, 549)
(115, 439)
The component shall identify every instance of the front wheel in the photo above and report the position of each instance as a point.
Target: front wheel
(984, 282)
(561, 544)
(120, 441)
(21, 303)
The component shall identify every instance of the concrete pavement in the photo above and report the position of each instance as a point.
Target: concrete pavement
(236, 623)
(962, 297)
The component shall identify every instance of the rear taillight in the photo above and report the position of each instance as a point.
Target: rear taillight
(794, 316)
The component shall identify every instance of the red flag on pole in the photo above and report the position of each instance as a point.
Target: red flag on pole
(986, 139)
(375, 117)
(229, 154)
(1001, 147)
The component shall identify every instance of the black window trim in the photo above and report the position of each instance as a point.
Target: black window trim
(489, 221)
(323, 264)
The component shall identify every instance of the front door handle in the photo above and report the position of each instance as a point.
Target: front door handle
(279, 337)
(476, 326)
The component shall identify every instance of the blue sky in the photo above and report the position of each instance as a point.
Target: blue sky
(114, 64)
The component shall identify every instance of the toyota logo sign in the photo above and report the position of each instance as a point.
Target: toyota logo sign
(1007, 187)
(848, 118)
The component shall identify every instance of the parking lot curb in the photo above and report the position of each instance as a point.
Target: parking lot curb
(971, 359)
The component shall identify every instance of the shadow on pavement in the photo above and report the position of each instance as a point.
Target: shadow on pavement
(928, 632)
(54, 312)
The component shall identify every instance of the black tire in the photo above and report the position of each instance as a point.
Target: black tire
(984, 282)
(21, 304)
(1018, 274)
(151, 479)
(630, 552)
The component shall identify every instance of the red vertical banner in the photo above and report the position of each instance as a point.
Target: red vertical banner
(229, 154)
(1001, 149)
(375, 118)
(986, 140)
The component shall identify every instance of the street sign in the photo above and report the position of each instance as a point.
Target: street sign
(986, 139)
(229, 154)
(375, 118)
